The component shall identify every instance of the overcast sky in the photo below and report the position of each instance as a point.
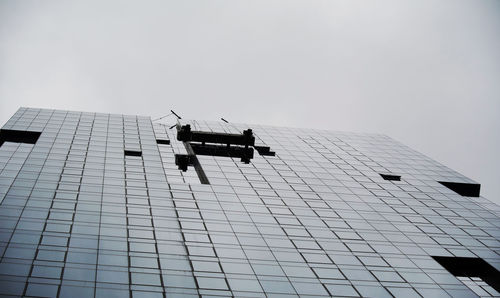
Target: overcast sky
(424, 72)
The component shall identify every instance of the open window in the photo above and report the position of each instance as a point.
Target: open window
(18, 136)
(390, 177)
(162, 142)
(265, 150)
(463, 189)
(476, 273)
(133, 153)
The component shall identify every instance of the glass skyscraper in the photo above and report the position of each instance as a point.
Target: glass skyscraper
(107, 205)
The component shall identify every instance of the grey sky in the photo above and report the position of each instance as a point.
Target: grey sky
(424, 72)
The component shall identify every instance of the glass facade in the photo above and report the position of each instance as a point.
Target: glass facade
(96, 206)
